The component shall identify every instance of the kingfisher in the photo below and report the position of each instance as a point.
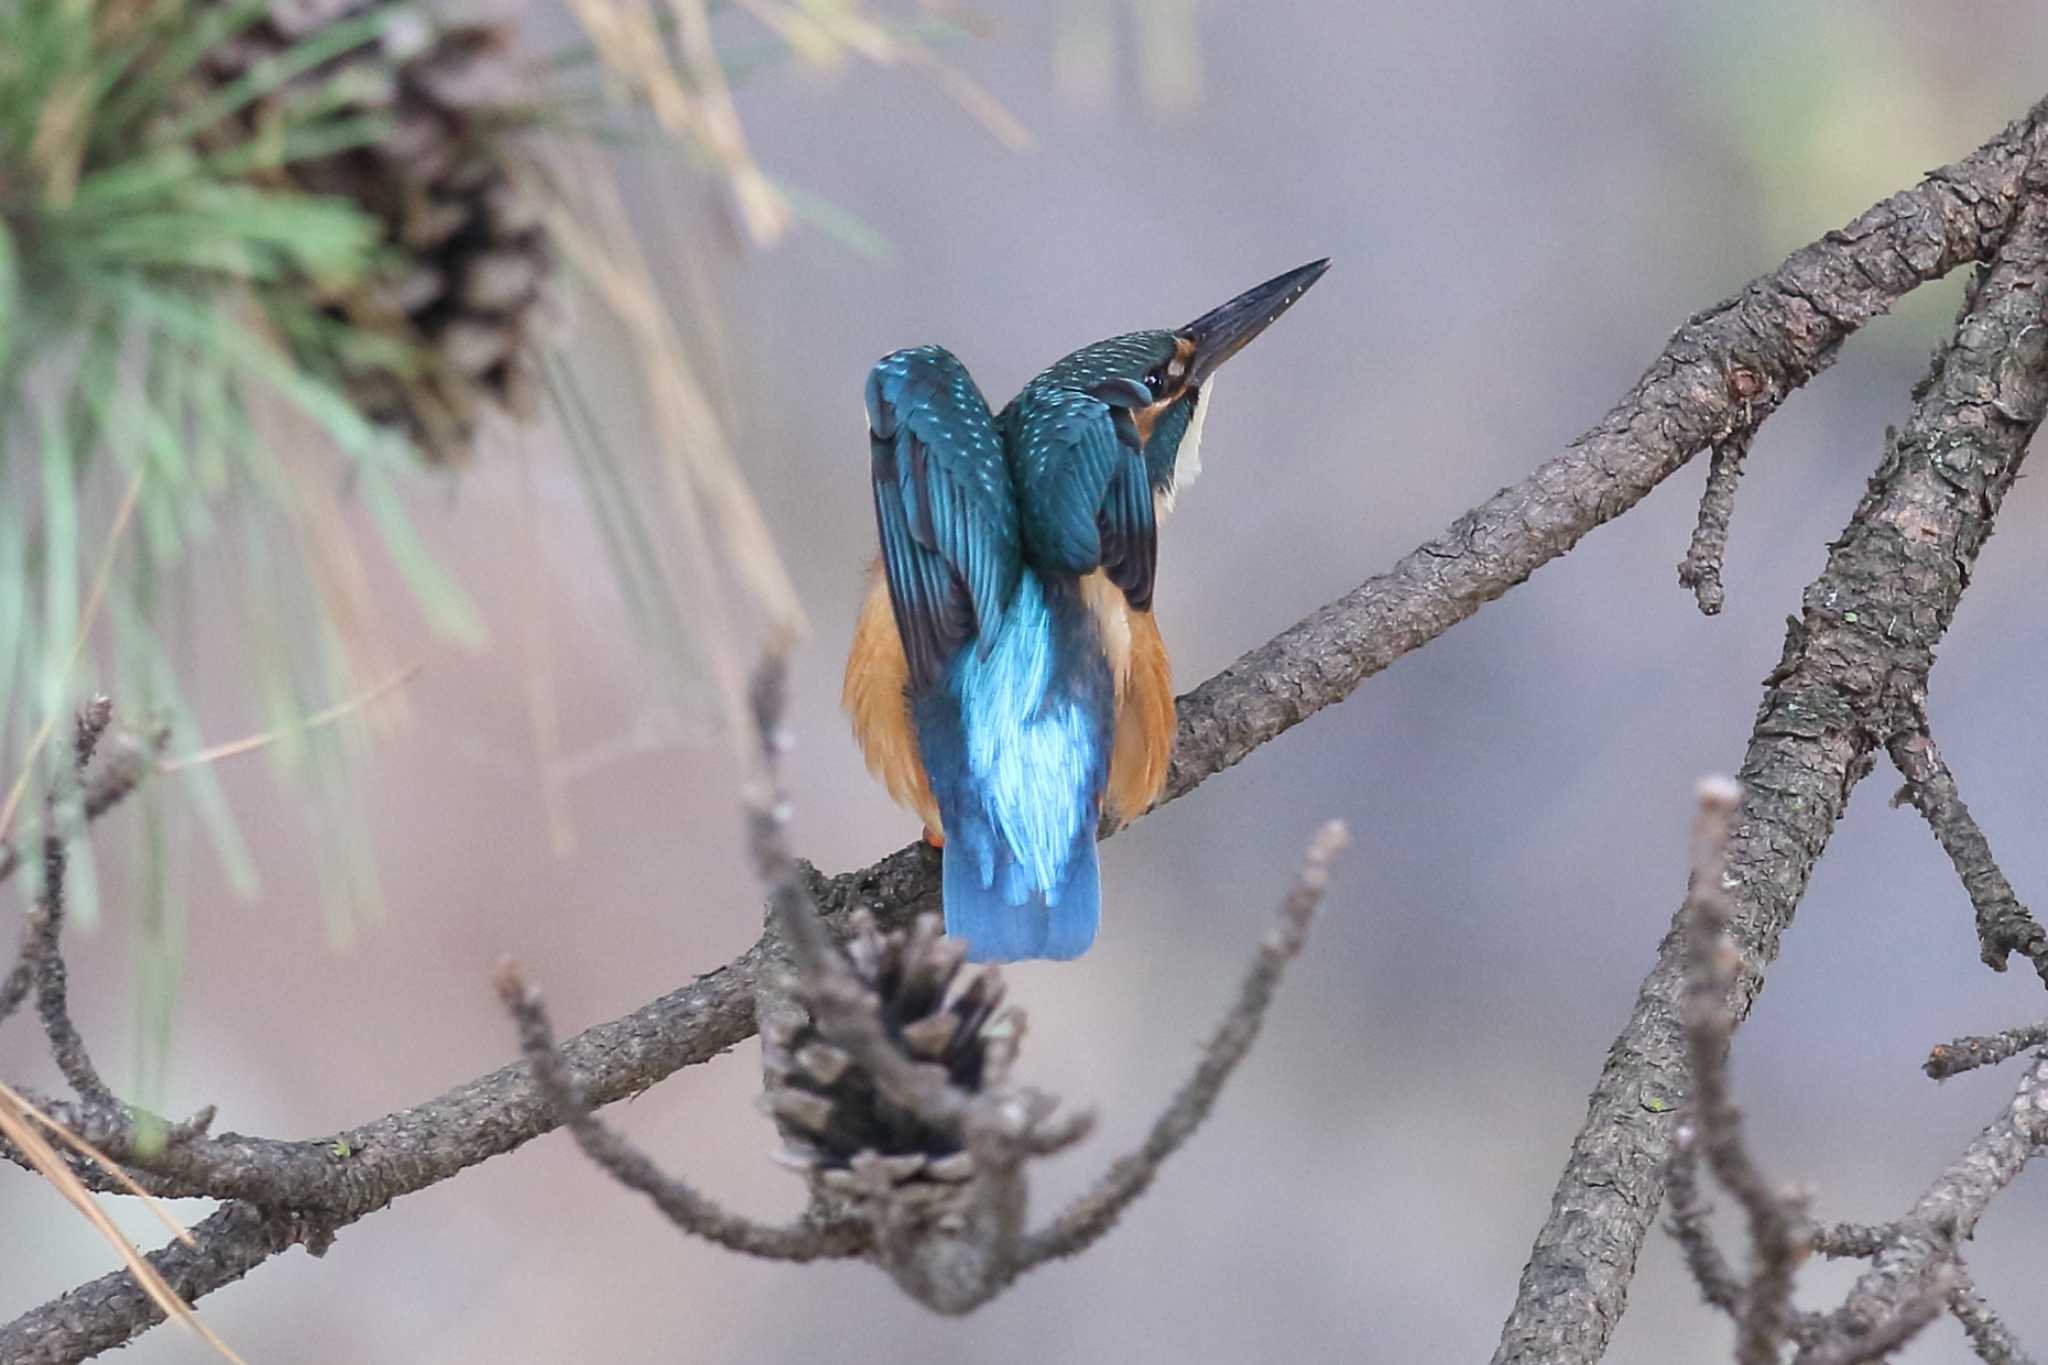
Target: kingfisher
(1007, 681)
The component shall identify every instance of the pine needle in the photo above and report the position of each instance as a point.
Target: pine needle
(248, 744)
(17, 1127)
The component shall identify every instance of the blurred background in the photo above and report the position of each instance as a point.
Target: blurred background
(1522, 203)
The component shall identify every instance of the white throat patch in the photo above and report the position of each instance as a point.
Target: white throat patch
(1187, 462)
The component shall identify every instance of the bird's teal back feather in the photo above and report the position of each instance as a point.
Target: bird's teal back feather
(944, 507)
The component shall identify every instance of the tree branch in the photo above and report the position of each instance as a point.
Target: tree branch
(1854, 674)
(1923, 1274)
(1783, 328)
(111, 1310)
(1922, 1244)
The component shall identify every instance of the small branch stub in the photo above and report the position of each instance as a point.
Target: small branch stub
(1700, 570)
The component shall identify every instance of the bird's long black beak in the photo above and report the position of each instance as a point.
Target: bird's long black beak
(1222, 332)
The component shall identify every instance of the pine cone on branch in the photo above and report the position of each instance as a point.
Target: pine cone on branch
(836, 1124)
(461, 287)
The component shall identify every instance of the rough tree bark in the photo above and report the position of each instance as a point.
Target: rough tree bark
(1717, 379)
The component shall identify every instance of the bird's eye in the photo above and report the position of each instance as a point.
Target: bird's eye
(1156, 381)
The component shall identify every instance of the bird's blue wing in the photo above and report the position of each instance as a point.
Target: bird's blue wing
(943, 505)
(1085, 502)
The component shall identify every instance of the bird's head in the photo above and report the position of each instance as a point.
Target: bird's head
(1164, 378)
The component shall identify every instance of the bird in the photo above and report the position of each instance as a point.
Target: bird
(1007, 680)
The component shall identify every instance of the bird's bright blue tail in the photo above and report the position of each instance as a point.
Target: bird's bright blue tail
(1009, 920)
(1017, 748)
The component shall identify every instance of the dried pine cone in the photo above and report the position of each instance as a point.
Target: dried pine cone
(468, 254)
(833, 1120)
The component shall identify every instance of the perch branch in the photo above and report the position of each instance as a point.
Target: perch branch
(1785, 327)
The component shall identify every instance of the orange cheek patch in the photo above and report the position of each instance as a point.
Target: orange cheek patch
(1144, 419)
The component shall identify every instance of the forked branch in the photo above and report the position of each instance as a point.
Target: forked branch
(893, 1089)
(1916, 1273)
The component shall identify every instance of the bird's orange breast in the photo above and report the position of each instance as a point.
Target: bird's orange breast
(876, 700)
(1143, 740)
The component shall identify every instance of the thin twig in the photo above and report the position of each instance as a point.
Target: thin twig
(115, 778)
(1993, 1341)
(688, 1210)
(1777, 1219)
(1917, 1256)
(2004, 925)
(1089, 1217)
(52, 982)
(87, 728)
(1971, 1051)
(14, 987)
(1718, 1283)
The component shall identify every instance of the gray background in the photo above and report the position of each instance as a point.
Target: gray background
(1522, 202)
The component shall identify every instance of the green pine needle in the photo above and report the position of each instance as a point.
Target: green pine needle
(163, 286)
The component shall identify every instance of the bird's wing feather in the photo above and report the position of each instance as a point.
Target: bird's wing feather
(1081, 478)
(943, 505)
